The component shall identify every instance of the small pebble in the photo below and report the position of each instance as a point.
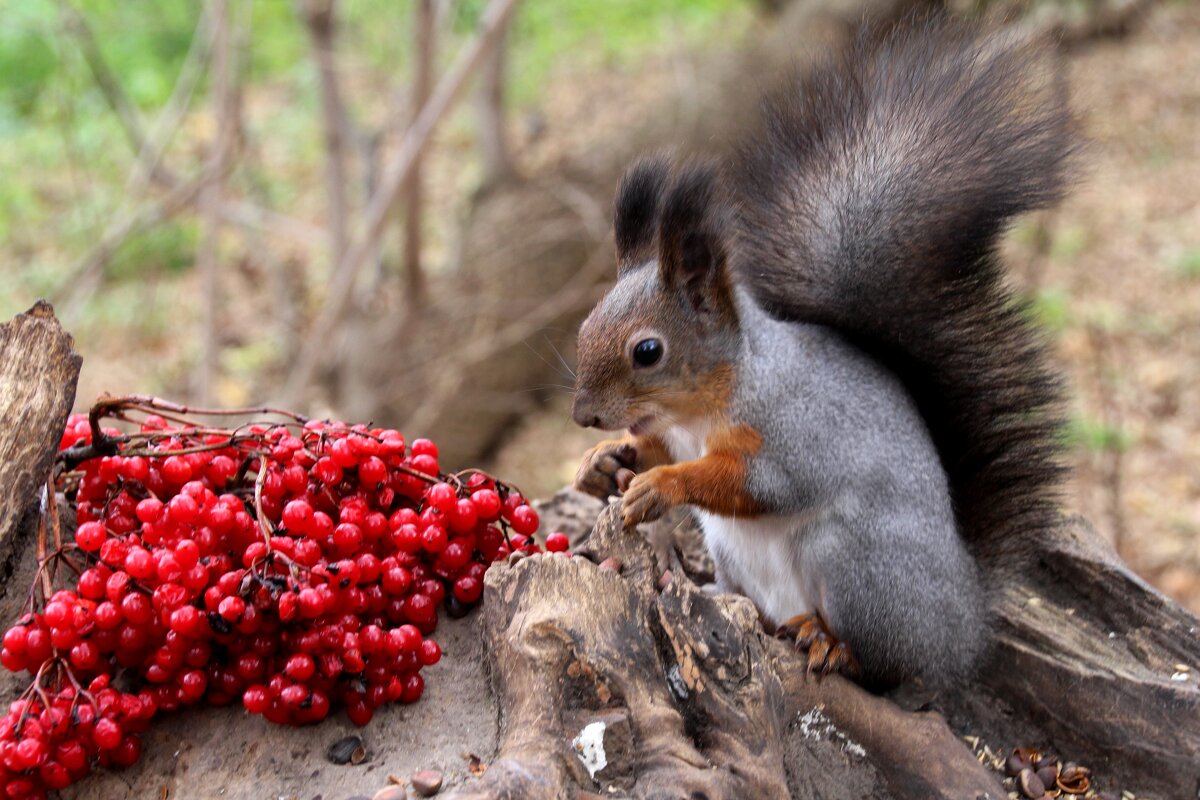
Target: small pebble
(426, 782)
(391, 793)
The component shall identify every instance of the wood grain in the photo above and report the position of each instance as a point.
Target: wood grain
(38, 372)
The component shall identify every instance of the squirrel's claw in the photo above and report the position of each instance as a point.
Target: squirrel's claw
(606, 469)
(643, 501)
(826, 654)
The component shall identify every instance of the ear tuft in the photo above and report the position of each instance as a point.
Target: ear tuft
(692, 238)
(635, 212)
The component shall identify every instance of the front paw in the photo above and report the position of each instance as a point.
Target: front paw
(607, 469)
(649, 496)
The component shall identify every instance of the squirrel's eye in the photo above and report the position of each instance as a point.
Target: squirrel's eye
(647, 352)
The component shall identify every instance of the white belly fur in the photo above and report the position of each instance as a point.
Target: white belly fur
(758, 558)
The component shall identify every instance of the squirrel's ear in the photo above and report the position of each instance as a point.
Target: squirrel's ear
(692, 240)
(635, 212)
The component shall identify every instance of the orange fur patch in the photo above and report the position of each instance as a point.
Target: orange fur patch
(718, 480)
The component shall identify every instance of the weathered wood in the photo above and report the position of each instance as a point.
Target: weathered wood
(1098, 664)
(696, 699)
(38, 372)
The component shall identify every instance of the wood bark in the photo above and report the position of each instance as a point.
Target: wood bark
(38, 371)
(698, 702)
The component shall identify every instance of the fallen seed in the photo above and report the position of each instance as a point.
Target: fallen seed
(1030, 784)
(1016, 761)
(391, 793)
(1074, 779)
(1048, 775)
(347, 750)
(426, 782)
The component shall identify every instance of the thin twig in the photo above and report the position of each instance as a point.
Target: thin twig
(321, 23)
(47, 584)
(208, 253)
(377, 213)
(414, 278)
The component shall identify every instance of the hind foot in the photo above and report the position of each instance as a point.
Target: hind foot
(826, 654)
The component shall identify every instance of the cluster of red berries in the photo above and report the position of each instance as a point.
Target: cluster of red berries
(297, 568)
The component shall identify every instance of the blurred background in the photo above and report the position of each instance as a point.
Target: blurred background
(399, 211)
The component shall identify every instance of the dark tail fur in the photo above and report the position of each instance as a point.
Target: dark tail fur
(871, 199)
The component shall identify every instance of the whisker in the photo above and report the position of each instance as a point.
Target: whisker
(561, 360)
(547, 361)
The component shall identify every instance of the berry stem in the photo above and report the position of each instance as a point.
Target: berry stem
(47, 584)
(52, 510)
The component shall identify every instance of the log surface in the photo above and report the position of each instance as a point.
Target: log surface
(38, 372)
(1088, 662)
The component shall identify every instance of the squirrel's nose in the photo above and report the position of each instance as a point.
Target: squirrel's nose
(582, 412)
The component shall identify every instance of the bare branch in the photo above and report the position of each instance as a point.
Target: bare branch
(426, 33)
(320, 21)
(493, 134)
(150, 153)
(150, 156)
(208, 255)
(342, 282)
(131, 124)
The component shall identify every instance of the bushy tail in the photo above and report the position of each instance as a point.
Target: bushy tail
(871, 199)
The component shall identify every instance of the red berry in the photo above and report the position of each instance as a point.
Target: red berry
(429, 653)
(487, 504)
(434, 539)
(372, 472)
(524, 519)
(298, 516)
(90, 535)
(256, 699)
(106, 734)
(557, 542)
(468, 590)
(300, 667)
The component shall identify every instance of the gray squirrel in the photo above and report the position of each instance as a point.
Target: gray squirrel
(811, 344)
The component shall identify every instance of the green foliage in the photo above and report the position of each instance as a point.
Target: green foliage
(1096, 436)
(167, 248)
(583, 34)
(1049, 307)
(66, 159)
(27, 63)
(1188, 264)
(1068, 243)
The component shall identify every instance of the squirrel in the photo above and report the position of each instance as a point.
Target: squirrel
(811, 343)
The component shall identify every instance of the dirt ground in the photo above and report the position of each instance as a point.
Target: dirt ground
(1115, 273)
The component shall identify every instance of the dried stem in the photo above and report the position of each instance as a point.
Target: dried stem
(414, 278)
(378, 211)
(52, 511)
(47, 584)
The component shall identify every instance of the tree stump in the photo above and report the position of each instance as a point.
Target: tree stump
(695, 700)
(38, 372)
